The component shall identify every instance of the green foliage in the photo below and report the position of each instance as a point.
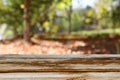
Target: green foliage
(40, 11)
(95, 32)
(51, 15)
(77, 20)
(104, 13)
(11, 14)
(62, 4)
(89, 17)
(116, 15)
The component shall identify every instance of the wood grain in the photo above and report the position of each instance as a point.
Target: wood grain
(59, 63)
(59, 67)
(61, 76)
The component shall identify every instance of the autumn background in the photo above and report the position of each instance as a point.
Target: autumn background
(60, 26)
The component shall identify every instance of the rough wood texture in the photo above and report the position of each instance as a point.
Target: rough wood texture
(57, 63)
(59, 67)
(61, 76)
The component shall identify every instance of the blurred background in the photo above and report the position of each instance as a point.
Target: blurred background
(66, 18)
(61, 16)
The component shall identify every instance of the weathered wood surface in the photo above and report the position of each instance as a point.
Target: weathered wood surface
(57, 63)
(59, 67)
(61, 76)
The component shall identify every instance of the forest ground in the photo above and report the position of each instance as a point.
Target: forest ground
(106, 44)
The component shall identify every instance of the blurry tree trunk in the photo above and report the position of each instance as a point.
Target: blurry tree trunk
(26, 34)
(70, 19)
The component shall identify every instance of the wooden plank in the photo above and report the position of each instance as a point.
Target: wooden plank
(59, 63)
(58, 56)
(61, 76)
(59, 67)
